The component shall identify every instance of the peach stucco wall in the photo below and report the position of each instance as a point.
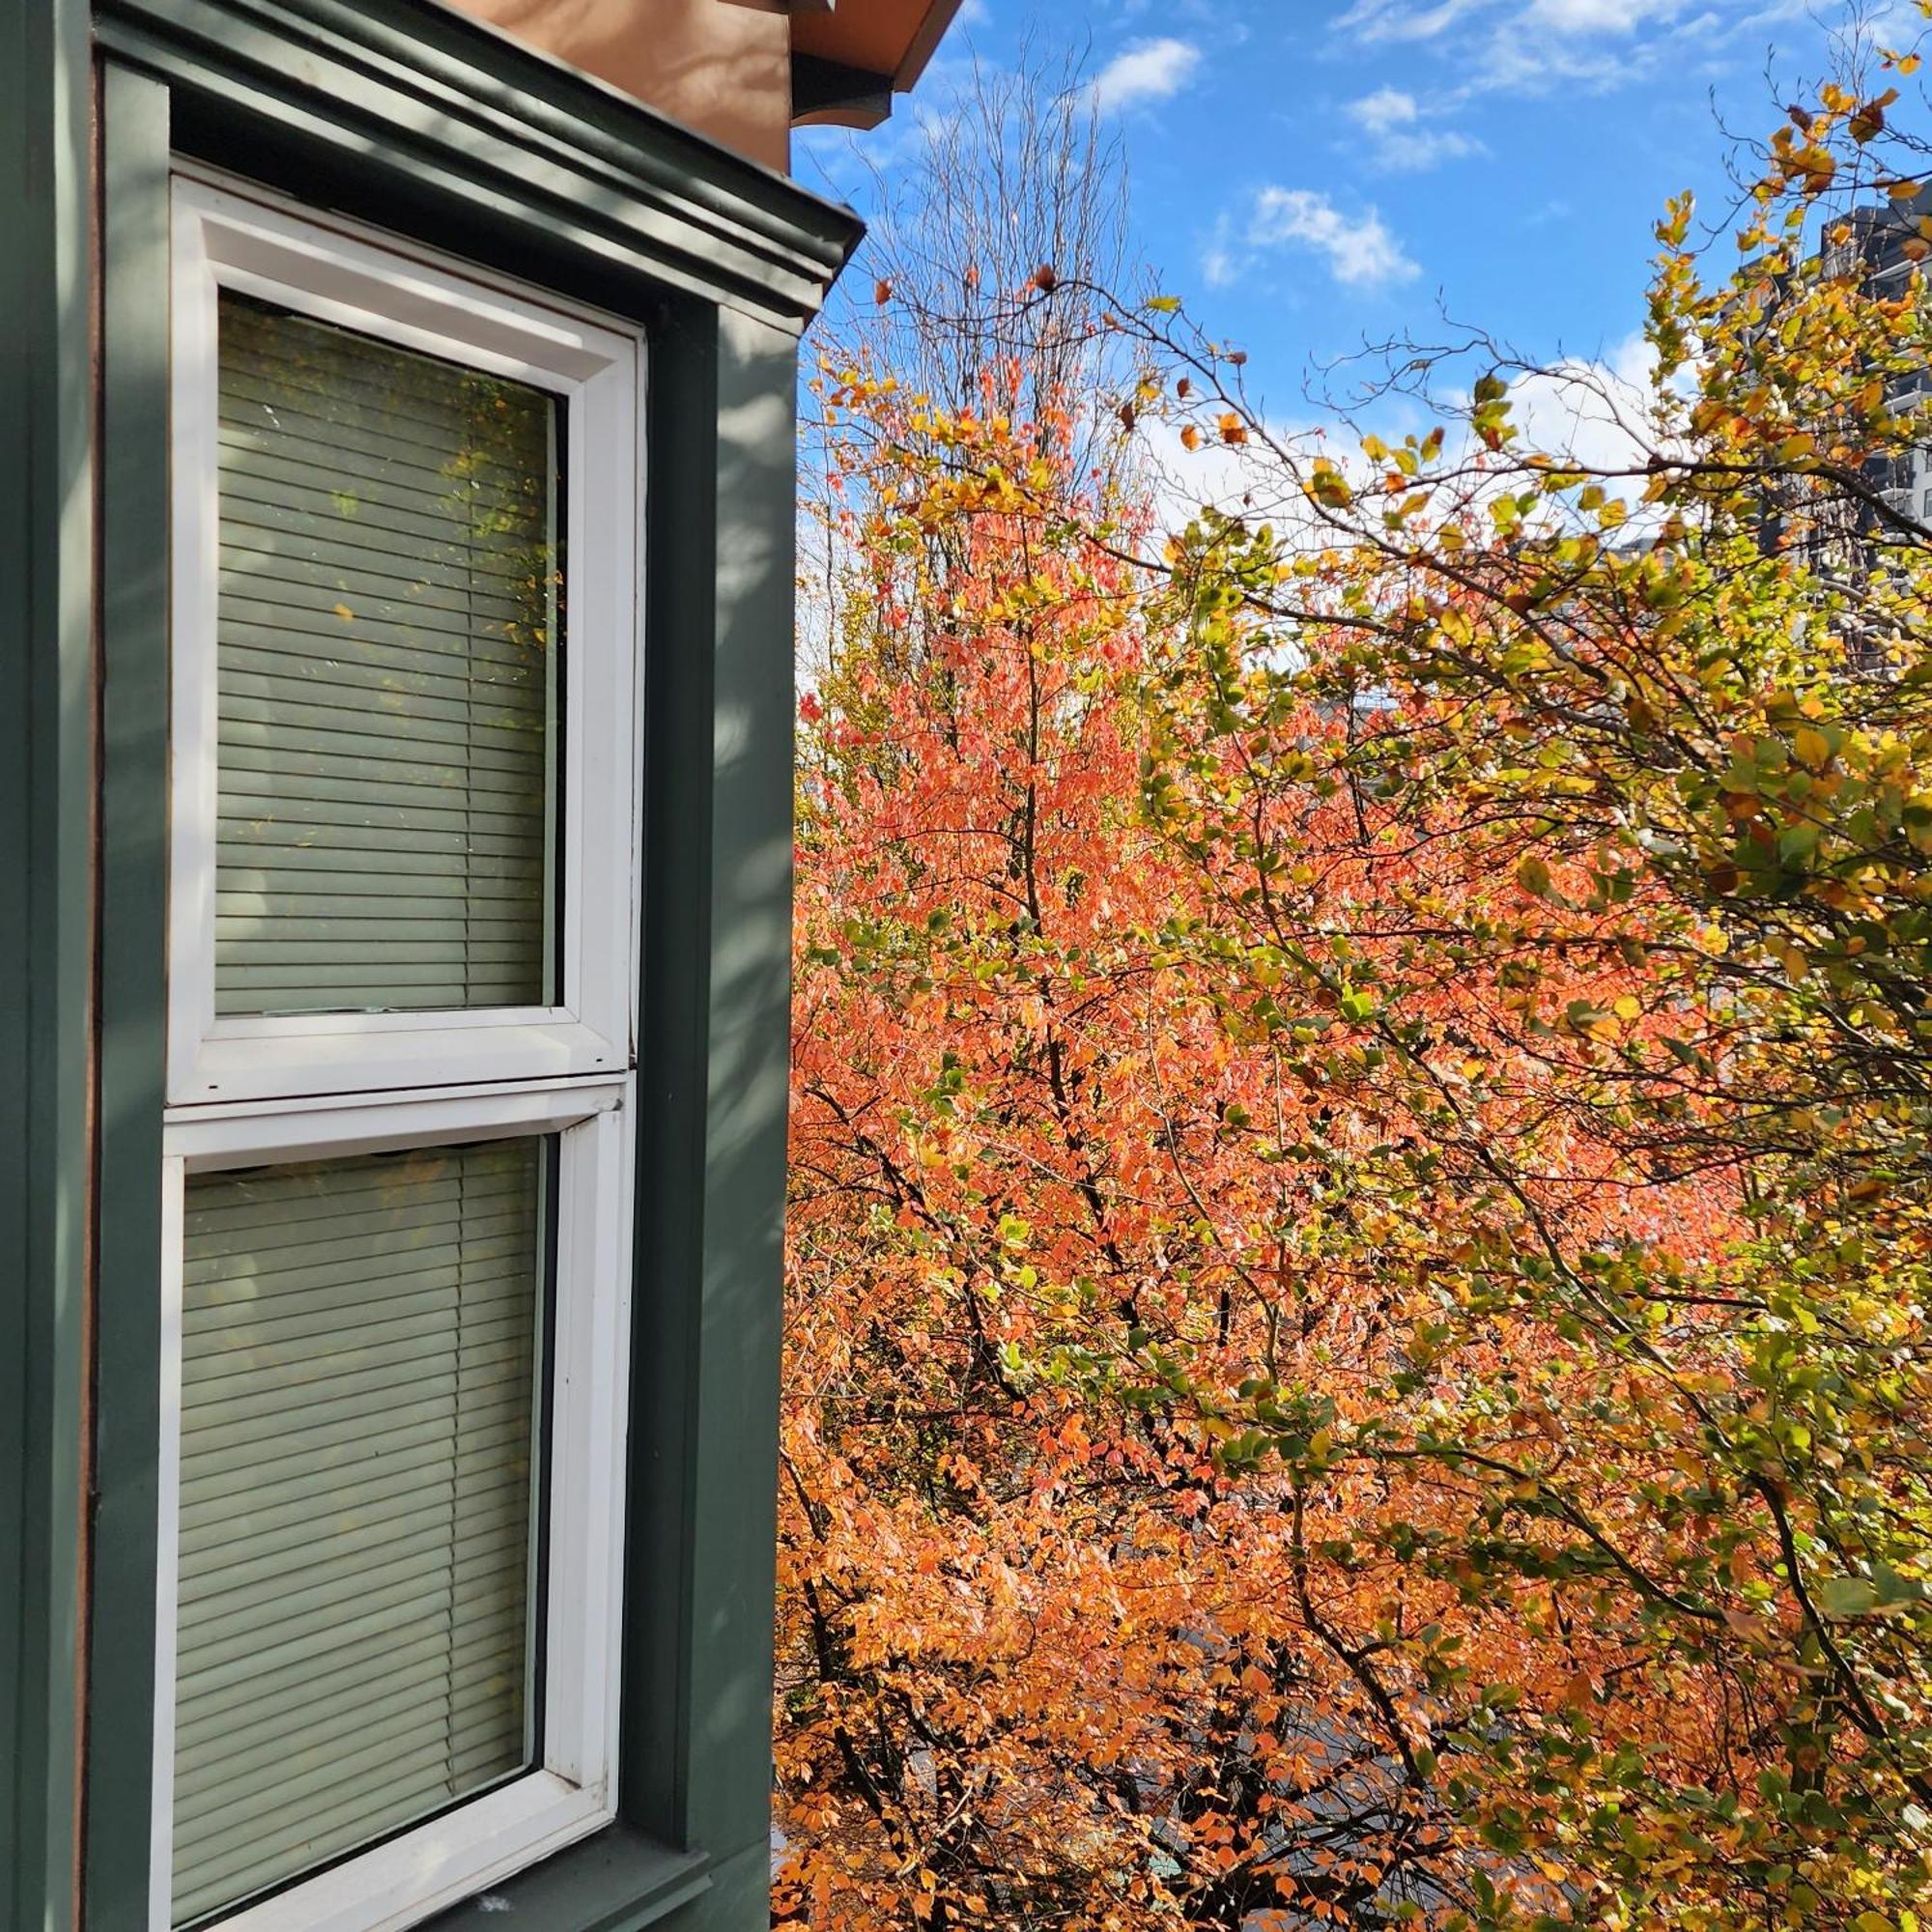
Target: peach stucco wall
(721, 67)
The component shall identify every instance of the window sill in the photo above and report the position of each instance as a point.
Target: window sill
(616, 1881)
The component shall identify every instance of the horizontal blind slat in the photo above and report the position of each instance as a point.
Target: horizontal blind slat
(231, 1868)
(265, 668)
(226, 1783)
(274, 495)
(309, 1614)
(275, 579)
(367, 379)
(332, 549)
(256, 606)
(393, 1505)
(278, 1500)
(305, 1703)
(253, 1324)
(259, 1464)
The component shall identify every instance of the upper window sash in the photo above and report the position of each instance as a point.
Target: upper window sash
(224, 240)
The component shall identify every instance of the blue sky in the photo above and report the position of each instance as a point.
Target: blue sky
(1306, 173)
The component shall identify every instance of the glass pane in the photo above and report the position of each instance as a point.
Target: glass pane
(357, 1572)
(388, 675)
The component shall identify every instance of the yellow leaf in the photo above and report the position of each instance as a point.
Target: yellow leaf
(1628, 1007)
(343, 611)
(1868, 123)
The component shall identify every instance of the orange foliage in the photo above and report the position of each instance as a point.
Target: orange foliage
(1060, 1645)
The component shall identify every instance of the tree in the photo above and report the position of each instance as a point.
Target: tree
(1015, 172)
(1362, 1194)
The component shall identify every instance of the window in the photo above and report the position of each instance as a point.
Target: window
(396, 1188)
(405, 619)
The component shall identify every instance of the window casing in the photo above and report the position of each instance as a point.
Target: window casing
(266, 1090)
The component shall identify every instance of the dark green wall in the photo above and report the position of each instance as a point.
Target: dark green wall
(134, 652)
(46, 713)
(735, 1371)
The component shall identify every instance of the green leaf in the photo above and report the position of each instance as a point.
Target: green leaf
(1797, 844)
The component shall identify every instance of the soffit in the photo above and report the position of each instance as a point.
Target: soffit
(893, 37)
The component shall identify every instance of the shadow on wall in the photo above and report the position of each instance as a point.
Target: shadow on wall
(750, 966)
(724, 71)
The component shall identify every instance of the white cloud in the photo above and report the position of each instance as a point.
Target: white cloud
(1220, 266)
(1386, 109)
(1147, 70)
(1600, 16)
(1598, 410)
(1403, 19)
(1427, 19)
(1399, 139)
(1237, 480)
(1361, 252)
(1533, 47)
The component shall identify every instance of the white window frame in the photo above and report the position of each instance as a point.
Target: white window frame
(573, 1792)
(225, 239)
(255, 1090)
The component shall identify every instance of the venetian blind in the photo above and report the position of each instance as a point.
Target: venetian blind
(386, 676)
(355, 1575)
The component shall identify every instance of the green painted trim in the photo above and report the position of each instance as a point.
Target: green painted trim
(681, 594)
(713, 1087)
(134, 516)
(739, 1898)
(734, 1529)
(47, 724)
(616, 1881)
(508, 143)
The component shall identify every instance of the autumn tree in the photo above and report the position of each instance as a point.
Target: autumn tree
(1362, 1205)
(1014, 174)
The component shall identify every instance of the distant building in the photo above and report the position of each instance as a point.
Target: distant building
(1832, 528)
(1879, 239)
